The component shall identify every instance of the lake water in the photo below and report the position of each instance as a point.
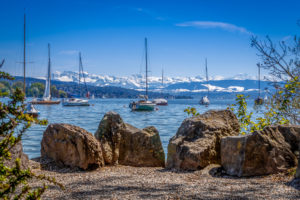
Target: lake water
(167, 119)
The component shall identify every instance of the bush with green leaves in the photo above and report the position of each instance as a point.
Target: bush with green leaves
(247, 124)
(191, 111)
(13, 123)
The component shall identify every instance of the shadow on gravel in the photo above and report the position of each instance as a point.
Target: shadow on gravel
(115, 187)
(295, 183)
(219, 172)
(163, 170)
(48, 164)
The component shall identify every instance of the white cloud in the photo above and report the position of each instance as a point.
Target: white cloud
(211, 24)
(69, 52)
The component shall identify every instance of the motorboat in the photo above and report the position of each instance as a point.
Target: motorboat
(75, 102)
(160, 102)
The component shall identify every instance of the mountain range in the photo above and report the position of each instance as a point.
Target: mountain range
(197, 84)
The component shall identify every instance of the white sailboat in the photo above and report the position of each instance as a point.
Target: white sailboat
(204, 100)
(161, 101)
(78, 101)
(30, 109)
(144, 104)
(259, 100)
(47, 100)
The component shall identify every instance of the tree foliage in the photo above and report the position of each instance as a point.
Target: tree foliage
(13, 123)
(247, 124)
(282, 61)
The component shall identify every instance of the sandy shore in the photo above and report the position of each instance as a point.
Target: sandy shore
(123, 182)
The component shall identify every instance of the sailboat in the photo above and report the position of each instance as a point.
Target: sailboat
(78, 101)
(266, 95)
(46, 100)
(143, 104)
(30, 109)
(161, 101)
(204, 100)
(259, 100)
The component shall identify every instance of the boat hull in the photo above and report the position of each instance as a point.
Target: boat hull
(204, 101)
(35, 115)
(259, 101)
(75, 104)
(142, 106)
(45, 102)
(162, 104)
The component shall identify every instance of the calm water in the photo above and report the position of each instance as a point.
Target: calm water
(167, 119)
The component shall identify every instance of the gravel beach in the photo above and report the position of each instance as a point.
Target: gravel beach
(124, 182)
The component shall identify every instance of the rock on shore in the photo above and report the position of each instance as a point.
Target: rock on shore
(262, 152)
(17, 152)
(197, 141)
(71, 146)
(125, 144)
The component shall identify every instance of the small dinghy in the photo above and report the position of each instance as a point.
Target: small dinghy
(31, 110)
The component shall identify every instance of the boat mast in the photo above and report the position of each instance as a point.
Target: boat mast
(206, 72)
(258, 80)
(162, 79)
(24, 58)
(79, 75)
(49, 71)
(146, 57)
(81, 71)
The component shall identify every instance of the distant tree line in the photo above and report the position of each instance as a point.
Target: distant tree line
(34, 90)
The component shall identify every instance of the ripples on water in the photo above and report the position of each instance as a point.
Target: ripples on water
(167, 119)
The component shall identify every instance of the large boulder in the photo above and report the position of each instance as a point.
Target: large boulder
(197, 141)
(17, 152)
(71, 146)
(127, 145)
(263, 152)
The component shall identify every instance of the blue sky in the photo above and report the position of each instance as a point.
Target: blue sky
(110, 34)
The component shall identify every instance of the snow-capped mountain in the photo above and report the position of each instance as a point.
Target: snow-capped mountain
(238, 83)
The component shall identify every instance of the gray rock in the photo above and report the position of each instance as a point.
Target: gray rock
(127, 145)
(260, 153)
(197, 141)
(71, 146)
